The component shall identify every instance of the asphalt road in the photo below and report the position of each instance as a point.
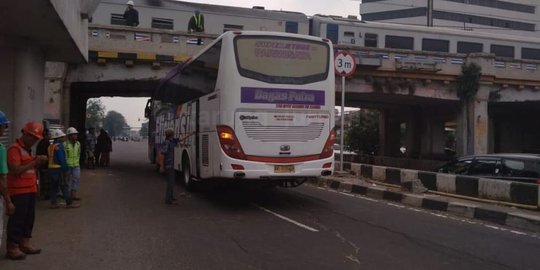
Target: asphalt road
(124, 224)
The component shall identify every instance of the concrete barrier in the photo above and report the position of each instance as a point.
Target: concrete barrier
(476, 187)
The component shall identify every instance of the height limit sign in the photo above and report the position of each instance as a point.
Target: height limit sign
(345, 66)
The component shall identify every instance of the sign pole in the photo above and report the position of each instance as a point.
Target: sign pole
(342, 122)
(345, 66)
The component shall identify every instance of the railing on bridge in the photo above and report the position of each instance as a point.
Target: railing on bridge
(143, 44)
(158, 45)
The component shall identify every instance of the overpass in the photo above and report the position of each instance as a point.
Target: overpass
(409, 88)
(31, 33)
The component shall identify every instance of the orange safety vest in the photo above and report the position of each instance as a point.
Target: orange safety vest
(52, 163)
(25, 182)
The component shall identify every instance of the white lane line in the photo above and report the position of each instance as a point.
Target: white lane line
(395, 205)
(471, 222)
(349, 194)
(287, 219)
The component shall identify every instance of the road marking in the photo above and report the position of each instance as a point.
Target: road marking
(349, 194)
(287, 219)
(424, 211)
(396, 205)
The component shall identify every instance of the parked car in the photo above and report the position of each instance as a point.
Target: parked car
(337, 150)
(515, 167)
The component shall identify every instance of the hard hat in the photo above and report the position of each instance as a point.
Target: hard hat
(3, 118)
(72, 130)
(57, 133)
(34, 128)
(130, 3)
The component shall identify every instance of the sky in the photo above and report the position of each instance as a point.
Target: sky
(133, 108)
(308, 7)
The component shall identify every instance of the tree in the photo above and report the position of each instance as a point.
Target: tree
(115, 123)
(363, 135)
(144, 130)
(95, 112)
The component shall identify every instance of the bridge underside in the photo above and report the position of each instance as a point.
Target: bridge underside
(80, 92)
(427, 126)
(516, 127)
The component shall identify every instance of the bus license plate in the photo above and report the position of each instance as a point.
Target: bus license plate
(284, 169)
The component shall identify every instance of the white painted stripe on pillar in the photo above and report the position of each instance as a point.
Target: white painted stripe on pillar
(494, 189)
(408, 175)
(446, 183)
(356, 168)
(379, 173)
(287, 219)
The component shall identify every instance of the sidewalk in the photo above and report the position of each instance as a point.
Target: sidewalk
(487, 211)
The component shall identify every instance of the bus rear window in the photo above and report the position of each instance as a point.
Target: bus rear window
(282, 60)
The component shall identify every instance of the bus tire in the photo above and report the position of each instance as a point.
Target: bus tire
(186, 174)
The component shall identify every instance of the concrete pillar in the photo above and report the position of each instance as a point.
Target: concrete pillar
(481, 120)
(414, 130)
(29, 76)
(55, 73)
(472, 133)
(389, 132)
(433, 137)
(382, 132)
(7, 55)
(463, 130)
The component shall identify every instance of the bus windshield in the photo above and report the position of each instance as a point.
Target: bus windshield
(282, 60)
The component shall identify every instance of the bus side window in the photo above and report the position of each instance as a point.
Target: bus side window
(196, 79)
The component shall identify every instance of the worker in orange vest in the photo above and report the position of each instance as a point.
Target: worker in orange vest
(22, 188)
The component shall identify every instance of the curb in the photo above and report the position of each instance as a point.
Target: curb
(469, 186)
(468, 210)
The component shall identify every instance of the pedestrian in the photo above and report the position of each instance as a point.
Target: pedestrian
(166, 162)
(91, 141)
(73, 156)
(22, 188)
(196, 24)
(104, 146)
(42, 149)
(59, 170)
(6, 206)
(131, 15)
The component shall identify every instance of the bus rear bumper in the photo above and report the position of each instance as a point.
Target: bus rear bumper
(242, 169)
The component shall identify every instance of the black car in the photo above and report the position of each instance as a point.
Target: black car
(514, 167)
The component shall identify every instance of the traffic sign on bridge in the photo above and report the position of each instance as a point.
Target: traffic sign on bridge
(344, 64)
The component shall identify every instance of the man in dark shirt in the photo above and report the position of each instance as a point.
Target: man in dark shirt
(43, 149)
(167, 164)
(131, 15)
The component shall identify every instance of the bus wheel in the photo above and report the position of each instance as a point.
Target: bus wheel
(186, 175)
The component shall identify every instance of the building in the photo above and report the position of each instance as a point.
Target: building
(517, 17)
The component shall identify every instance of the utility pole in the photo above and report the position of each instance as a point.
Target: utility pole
(430, 13)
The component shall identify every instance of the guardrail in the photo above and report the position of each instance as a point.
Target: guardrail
(468, 186)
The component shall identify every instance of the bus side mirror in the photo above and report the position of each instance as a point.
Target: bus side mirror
(148, 109)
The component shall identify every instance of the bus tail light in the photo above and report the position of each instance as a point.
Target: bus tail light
(328, 149)
(237, 167)
(229, 142)
(538, 181)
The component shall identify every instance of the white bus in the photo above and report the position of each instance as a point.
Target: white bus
(250, 106)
